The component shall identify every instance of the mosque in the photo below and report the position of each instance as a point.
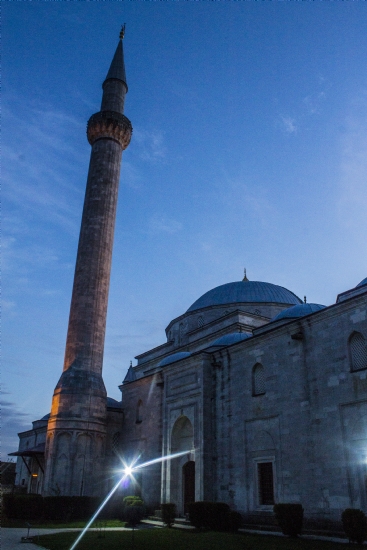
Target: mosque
(260, 396)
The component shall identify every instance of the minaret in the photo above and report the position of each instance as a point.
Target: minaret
(77, 426)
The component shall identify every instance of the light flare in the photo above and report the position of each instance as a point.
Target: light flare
(128, 472)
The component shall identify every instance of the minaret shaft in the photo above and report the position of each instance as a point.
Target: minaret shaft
(87, 322)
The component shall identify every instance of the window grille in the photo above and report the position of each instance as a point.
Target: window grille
(358, 351)
(258, 380)
(116, 442)
(265, 481)
(200, 321)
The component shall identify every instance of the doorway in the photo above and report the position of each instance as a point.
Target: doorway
(188, 483)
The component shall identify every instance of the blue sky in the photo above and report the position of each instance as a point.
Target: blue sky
(249, 150)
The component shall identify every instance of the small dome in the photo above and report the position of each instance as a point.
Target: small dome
(231, 338)
(245, 292)
(174, 357)
(298, 311)
(46, 417)
(362, 283)
(113, 403)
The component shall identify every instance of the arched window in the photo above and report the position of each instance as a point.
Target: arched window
(258, 380)
(358, 352)
(200, 321)
(139, 408)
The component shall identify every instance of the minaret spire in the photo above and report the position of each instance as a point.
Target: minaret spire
(77, 426)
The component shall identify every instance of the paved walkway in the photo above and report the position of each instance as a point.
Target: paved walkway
(11, 537)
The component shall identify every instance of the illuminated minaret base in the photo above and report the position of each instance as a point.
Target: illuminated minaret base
(76, 433)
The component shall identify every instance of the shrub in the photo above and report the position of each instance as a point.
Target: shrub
(23, 506)
(65, 508)
(209, 515)
(355, 525)
(235, 521)
(168, 513)
(290, 518)
(133, 510)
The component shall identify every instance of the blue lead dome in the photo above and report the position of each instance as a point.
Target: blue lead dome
(298, 311)
(245, 292)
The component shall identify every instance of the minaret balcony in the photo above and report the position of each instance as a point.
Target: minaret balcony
(109, 125)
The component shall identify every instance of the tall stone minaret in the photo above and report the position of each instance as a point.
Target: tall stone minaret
(76, 431)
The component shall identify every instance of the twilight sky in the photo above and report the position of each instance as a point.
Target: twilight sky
(249, 150)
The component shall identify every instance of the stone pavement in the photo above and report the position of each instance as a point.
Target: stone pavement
(11, 537)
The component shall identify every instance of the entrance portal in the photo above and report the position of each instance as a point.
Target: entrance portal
(188, 482)
(181, 470)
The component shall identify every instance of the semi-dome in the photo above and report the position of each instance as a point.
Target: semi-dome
(245, 292)
(174, 357)
(113, 403)
(362, 283)
(297, 311)
(231, 338)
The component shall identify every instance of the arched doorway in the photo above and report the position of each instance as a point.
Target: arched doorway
(188, 482)
(182, 477)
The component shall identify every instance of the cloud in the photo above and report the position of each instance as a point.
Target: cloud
(313, 102)
(352, 199)
(41, 162)
(161, 224)
(13, 421)
(288, 124)
(150, 145)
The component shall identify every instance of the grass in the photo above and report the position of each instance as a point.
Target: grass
(168, 539)
(61, 524)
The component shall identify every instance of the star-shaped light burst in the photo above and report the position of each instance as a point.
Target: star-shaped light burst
(128, 473)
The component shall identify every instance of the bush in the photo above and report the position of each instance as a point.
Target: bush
(133, 510)
(290, 518)
(235, 521)
(65, 508)
(355, 525)
(28, 507)
(168, 513)
(210, 515)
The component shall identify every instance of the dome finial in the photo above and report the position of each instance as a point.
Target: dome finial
(305, 299)
(122, 31)
(131, 364)
(245, 279)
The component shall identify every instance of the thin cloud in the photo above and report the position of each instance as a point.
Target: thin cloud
(288, 124)
(352, 201)
(150, 145)
(161, 224)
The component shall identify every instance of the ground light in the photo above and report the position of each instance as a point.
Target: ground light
(127, 473)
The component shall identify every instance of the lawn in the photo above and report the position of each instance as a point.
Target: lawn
(169, 539)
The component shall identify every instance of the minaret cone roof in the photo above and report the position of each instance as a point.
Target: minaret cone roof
(117, 68)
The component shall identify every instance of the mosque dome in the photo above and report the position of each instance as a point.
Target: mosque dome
(174, 357)
(245, 292)
(362, 283)
(46, 417)
(231, 338)
(297, 311)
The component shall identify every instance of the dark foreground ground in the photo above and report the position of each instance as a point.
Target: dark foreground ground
(172, 539)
